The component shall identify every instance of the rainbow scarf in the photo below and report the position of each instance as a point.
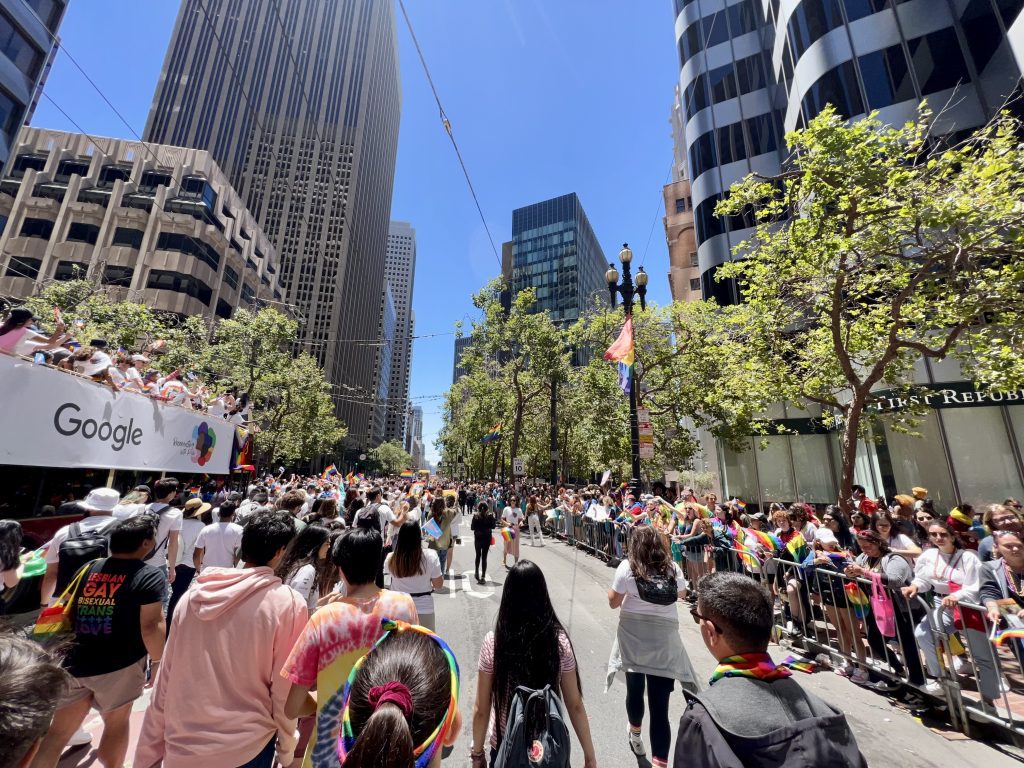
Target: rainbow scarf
(622, 352)
(756, 665)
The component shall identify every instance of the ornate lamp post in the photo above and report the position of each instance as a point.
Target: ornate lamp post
(627, 291)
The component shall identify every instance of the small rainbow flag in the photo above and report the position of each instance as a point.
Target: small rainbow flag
(508, 534)
(740, 504)
(746, 555)
(857, 599)
(767, 540)
(408, 474)
(416, 489)
(494, 434)
(331, 470)
(798, 548)
(1001, 636)
(801, 665)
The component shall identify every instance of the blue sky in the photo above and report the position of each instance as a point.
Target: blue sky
(544, 98)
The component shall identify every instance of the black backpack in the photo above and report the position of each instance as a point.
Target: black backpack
(369, 518)
(79, 548)
(535, 731)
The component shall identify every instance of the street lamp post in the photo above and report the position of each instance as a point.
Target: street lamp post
(627, 291)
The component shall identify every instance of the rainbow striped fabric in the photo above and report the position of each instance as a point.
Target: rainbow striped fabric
(859, 602)
(767, 540)
(1001, 636)
(756, 665)
(408, 474)
(800, 665)
(797, 547)
(331, 470)
(494, 434)
(623, 352)
(508, 534)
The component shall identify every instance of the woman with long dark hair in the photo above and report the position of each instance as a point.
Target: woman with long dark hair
(414, 570)
(299, 566)
(648, 648)
(483, 528)
(529, 647)
(10, 554)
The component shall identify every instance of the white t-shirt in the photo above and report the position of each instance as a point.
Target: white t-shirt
(625, 584)
(220, 543)
(170, 524)
(513, 516)
(190, 529)
(302, 582)
(87, 525)
(430, 568)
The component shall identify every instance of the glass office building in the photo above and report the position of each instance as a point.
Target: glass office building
(750, 70)
(555, 251)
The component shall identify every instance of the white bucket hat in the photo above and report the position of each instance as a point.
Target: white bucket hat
(102, 499)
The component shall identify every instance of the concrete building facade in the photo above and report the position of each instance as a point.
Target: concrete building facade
(299, 104)
(28, 44)
(414, 437)
(155, 224)
(386, 343)
(680, 236)
(400, 272)
(751, 70)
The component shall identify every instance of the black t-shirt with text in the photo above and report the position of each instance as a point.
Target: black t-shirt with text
(108, 634)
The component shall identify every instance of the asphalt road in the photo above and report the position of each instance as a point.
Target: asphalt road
(887, 735)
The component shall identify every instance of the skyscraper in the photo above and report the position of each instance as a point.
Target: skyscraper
(414, 437)
(555, 251)
(298, 102)
(382, 366)
(683, 269)
(400, 272)
(28, 43)
(752, 69)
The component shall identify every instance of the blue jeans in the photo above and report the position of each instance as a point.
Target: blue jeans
(264, 759)
(442, 555)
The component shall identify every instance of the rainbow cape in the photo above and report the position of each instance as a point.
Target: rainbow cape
(622, 351)
(798, 548)
(494, 434)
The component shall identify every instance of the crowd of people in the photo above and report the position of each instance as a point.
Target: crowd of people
(309, 600)
(120, 369)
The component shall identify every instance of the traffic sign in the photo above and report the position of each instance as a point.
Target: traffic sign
(518, 466)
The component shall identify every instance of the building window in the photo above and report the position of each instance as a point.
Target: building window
(1009, 10)
(248, 294)
(837, 87)
(938, 61)
(231, 277)
(16, 47)
(69, 168)
(172, 241)
(24, 163)
(886, 77)
(22, 266)
(982, 32)
(723, 84)
(151, 180)
(111, 173)
(750, 74)
(696, 96)
(11, 113)
(702, 154)
(762, 137)
(715, 29)
(693, 259)
(730, 143)
(48, 12)
(83, 233)
(70, 270)
(175, 281)
(811, 20)
(129, 237)
(121, 276)
(707, 224)
(223, 309)
(680, 205)
(41, 228)
(858, 9)
(694, 283)
(742, 18)
(722, 292)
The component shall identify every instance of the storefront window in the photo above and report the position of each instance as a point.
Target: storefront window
(865, 466)
(982, 459)
(813, 470)
(740, 478)
(921, 461)
(775, 468)
(1017, 423)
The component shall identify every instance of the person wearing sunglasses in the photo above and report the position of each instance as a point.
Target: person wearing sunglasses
(954, 575)
(399, 707)
(754, 713)
(998, 517)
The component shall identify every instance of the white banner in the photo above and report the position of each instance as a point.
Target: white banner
(52, 418)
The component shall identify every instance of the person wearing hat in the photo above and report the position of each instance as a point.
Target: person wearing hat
(184, 570)
(98, 363)
(133, 373)
(98, 506)
(18, 338)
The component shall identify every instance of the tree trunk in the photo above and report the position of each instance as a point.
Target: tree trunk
(854, 412)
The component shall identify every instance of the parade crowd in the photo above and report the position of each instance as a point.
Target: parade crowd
(293, 622)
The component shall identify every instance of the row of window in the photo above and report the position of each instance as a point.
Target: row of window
(175, 281)
(757, 135)
(18, 48)
(718, 27)
(708, 225)
(723, 83)
(172, 241)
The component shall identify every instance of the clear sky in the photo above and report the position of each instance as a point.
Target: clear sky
(545, 98)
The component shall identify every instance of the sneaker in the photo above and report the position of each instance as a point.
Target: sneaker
(860, 676)
(636, 743)
(915, 701)
(933, 687)
(884, 686)
(80, 737)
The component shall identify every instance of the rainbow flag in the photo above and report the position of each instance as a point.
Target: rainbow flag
(801, 665)
(416, 489)
(798, 548)
(508, 534)
(767, 540)
(859, 602)
(331, 470)
(622, 351)
(740, 504)
(1001, 636)
(494, 434)
(408, 474)
(746, 555)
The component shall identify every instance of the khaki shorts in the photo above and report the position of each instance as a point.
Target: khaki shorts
(109, 691)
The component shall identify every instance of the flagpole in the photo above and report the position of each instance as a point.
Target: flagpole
(627, 292)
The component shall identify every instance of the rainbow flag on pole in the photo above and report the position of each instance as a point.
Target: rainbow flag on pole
(767, 540)
(408, 474)
(494, 434)
(622, 352)
(798, 548)
(331, 470)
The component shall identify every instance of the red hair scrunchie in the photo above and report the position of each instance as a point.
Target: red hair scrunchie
(392, 693)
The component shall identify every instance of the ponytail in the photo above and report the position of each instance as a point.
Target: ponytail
(385, 741)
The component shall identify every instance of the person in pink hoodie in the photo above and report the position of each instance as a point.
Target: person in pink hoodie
(219, 700)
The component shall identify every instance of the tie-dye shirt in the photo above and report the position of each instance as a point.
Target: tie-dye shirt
(336, 636)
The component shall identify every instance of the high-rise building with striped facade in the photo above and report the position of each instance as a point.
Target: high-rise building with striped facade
(298, 102)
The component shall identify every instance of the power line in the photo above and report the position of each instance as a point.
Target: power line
(448, 129)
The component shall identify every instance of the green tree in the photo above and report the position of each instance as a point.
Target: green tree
(878, 246)
(390, 458)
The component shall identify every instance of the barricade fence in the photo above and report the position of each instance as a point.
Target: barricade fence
(878, 636)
